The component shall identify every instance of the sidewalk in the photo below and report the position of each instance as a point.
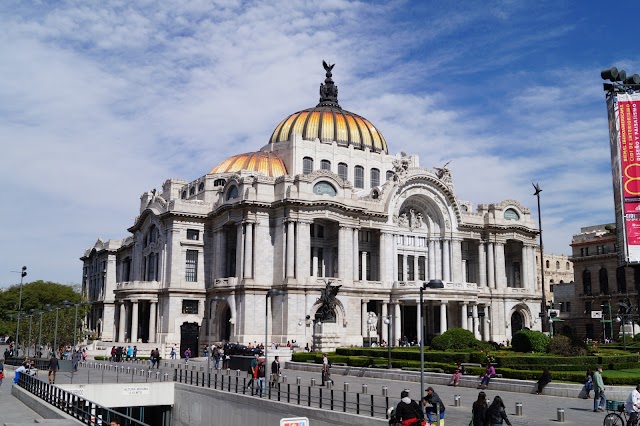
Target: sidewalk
(13, 410)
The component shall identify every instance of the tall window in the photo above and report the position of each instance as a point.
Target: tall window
(421, 268)
(325, 165)
(193, 234)
(307, 165)
(603, 278)
(343, 171)
(557, 265)
(358, 176)
(400, 268)
(586, 282)
(191, 267)
(375, 177)
(546, 264)
(152, 270)
(621, 278)
(411, 268)
(390, 174)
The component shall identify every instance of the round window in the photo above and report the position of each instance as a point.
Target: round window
(324, 188)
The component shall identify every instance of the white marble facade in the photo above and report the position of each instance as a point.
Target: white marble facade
(202, 255)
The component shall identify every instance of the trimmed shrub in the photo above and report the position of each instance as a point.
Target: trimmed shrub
(530, 341)
(564, 345)
(454, 338)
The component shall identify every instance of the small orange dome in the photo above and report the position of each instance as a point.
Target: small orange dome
(261, 161)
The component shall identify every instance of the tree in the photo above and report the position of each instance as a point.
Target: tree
(37, 297)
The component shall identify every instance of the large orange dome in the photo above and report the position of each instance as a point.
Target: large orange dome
(262, 161)
(328, 122)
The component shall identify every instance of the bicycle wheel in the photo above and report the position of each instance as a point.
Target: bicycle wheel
(613, 419)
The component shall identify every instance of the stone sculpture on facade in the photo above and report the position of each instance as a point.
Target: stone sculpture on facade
(327, 310)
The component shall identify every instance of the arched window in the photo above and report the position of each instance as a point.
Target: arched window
(201, 186)
(557, 265)
(567, 266)
(621, 278)
(343, 171)
(307, 165)
(358, 176)
(233, 193)
(184, 194)
(546, 263)
(586, 282)
(511, 214)
(389, 174)
(219, 182)
(192, 190)
(325, 165)
(375, 177)
(603, 278)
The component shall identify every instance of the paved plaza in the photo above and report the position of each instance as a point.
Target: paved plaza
(537, 409)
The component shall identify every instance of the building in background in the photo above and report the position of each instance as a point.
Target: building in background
(558, 269)
(323, 201)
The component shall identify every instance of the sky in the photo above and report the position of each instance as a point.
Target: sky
(101, 101)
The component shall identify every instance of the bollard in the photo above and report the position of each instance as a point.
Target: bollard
(135, 370)
(128, 370)
(456, 401)
(237, 373)
(518, 408)
(148, 374)
(157, 375)
(329, 384)
(560, 415)
(201, 368)
(364, 388)
(346, 386)
(298, 380)
(313, 382)
(142, 372)
(385, 391)
(284, 379)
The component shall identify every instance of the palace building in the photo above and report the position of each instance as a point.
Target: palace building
(242, 253)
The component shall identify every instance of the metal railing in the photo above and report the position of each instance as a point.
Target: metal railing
(84, 410)
(311, 395)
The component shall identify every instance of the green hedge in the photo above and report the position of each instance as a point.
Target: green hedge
(530, 341)
(412, 354)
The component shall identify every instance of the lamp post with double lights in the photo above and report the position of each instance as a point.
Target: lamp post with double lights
(423, 287)
(543, 316)
(75, 321)
(39, 348)
(31, 311)
(271, 292)
(387, 321)
(23, 273)
(604, 321)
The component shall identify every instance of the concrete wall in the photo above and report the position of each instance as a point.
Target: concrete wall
(44, 409)
(125, 394)
(194, 407)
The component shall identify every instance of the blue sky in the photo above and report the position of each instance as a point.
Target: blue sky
(102, 101)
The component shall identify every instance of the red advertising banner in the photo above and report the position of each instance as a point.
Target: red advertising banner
(629, 151)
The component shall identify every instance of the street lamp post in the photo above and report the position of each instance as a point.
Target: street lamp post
(30, 325)
(75, 322)
(431, 284)
(387, 321)
(270, 292)
(39, 349)
(545, 322)
(23, 273)
(610, 321)
(65, 304)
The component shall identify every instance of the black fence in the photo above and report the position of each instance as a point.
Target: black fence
(88, 412)
(311, 395)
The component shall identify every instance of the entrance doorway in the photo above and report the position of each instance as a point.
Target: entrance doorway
(516, 322)
(225, 325)
(189, 337)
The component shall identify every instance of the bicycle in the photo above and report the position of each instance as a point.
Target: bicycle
(617, 415)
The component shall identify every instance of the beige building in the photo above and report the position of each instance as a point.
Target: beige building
(558, 269)
(322, 201)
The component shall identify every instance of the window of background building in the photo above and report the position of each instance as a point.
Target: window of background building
(189, 306)
(568, 306)
(587, 309)
(193, 234)
(586, 282)
(621, 279)
(546, 264)
(307, 165)
(375, 177)
(358, 176)
(184, 195)
(557, 265)
(567, 266)
(343, 171)
(325, 165)
(603, 279)
(191, 266)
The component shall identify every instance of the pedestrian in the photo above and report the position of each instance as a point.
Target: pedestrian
(326, 375)
(496, 414)
(158, 358)
(251, 372)
(216, 357)
(75, 360)
(489, 372)
(113, 354)
(152, 358)
(479, 410)
(129, 353)
(173, 352)
(598, 391)
(632, 406)
(187, 355)
(54, 366)
(1, 370)
(543, 381)
(262, 370)
(437, 406)
(20, 370)
(135, 352)
(408, 412)
(275, 371)
(588, 384)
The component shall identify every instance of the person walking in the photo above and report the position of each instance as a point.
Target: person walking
(495, 413)
(251, 371)
(262, 371)
(173, 352)
(187, 355)
(325, 369)
(1, 370)
(436, 403)
(598, 391)
(54, 366)
(479, 410)
(632, 406)
(135, 352)
(408, 412)
(275, 372)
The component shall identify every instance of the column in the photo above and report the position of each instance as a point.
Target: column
(122, 332)
(432, 260)
(485, 333)
(290, 250)
(458, 266)
(394, 254)
(382, 259)
(476, 325)
(524, 268)
(491, 280)
(314, 262)
(303, 253)
(269, 316)
(134, 321)
(482, 265)
(438, 245)
(405, 267)
(365, 317)
(463, 315)
(469, 321)
(152, 322)
(397, 325)
(343, 257)
(248, 250)
(443, 316)
(385, 327)
(446, 261)
(354, 257)
(239, 250)
(364, 265)
(501, 273)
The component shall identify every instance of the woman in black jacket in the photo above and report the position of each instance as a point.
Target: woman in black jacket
(496, 414)
(407, 409)
(479, 410)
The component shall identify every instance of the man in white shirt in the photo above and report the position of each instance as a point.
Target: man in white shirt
(632, 405)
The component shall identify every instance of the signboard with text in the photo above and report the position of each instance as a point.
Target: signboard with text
(295, 421)
(624, 134)
(596, 314)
